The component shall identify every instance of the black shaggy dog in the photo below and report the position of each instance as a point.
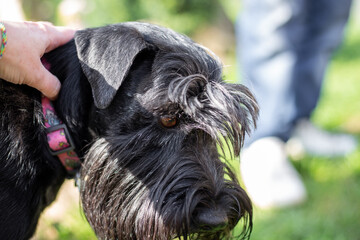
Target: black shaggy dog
(146, 108)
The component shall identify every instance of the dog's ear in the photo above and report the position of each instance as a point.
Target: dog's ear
(106, 55)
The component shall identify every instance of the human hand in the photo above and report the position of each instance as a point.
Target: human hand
(27, 42)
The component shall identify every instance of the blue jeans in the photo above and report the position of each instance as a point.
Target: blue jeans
(284, 47)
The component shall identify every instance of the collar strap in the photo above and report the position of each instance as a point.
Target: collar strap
(59, 140)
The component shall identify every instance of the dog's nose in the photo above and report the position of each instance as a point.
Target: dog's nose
(211, 219)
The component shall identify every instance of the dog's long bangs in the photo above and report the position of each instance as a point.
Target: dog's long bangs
(192, 79)
(223, 110)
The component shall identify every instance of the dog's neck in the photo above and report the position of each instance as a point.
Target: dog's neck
(60, 142)
(59, 139)
(74, 101)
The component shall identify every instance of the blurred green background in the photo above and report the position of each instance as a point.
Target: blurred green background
(332, 211)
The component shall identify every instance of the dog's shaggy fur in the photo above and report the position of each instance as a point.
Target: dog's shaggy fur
(147, 108)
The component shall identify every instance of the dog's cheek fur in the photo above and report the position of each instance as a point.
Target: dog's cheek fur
(111, 195)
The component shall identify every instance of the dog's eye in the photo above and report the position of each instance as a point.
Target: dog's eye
(168, 121)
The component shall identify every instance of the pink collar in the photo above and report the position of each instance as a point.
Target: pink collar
(59, 139)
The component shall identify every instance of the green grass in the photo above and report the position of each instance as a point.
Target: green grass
(332, 211)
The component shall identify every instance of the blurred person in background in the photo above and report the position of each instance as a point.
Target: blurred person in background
(285, 47)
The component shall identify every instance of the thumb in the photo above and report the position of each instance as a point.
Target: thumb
(46, 83)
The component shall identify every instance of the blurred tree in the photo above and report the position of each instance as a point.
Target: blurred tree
(181, 15)
(43, 10)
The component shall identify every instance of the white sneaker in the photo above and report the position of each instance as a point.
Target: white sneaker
(270, 179)
(310, 139)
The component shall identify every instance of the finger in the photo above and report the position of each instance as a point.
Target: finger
(46, 83)
(59, 36)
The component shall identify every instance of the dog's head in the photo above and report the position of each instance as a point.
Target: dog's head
(160, 112)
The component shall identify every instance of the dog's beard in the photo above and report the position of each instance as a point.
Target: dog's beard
(159, 196)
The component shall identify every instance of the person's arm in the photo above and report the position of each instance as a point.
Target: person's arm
(26, 44)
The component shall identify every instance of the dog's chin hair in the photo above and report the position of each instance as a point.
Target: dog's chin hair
(119, 205)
